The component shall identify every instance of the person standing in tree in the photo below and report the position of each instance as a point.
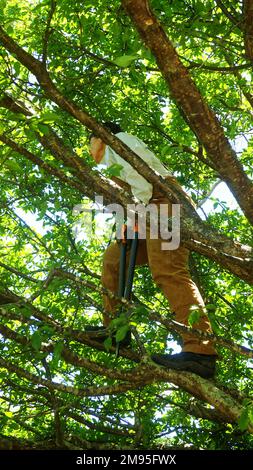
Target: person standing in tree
(169, 268)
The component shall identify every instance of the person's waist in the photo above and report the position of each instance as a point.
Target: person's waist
(158, 195)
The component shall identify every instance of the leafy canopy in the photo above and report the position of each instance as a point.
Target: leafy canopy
(96, 58)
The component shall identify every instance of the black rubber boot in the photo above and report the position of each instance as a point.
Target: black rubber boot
(200, 364)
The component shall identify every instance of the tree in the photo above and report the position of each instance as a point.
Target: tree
(178, 75)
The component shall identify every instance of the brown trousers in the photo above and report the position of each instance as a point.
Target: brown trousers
(170, 272)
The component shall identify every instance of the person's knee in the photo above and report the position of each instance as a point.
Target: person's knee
(111, 256)
(110, 266)
(177, 276)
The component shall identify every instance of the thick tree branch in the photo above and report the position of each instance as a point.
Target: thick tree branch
(175, 326)
(196, 234)
(198, 114)
(67, 355)
(21, 422)
(12, 443)
(5, 299)
(116, 427)
(195, 409)
(41, 163)
(18, 273)
(138, 377)
(97, 427)
(67, 332)
(171, 325)
(87, 392)
(145, 374)
(37, 68)
(248, 28)
(91, 181)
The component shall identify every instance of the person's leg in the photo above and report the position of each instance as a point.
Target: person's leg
(110, 275)
(170, 272)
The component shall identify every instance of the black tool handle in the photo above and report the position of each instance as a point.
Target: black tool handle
(122, 262)
(132, 262)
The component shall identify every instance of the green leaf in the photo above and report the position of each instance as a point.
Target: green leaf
(118, 322)
(165, 150)
(36, 340)
(121, 333)
(9, 30)
(58, 350)
(250, 413)
(114, 170)
(17, 67)
(57, 354)
(211, 307)
(134, 93)
(214, 323)
(4, 421)
(244, 419)
(43, 128)
(13, 166)
(30, 134)
(194, 317)
(125, 60)
(17, 117)
(14, 426)
(108, 343)
(141, 311)
(3, 4)
(49, 117)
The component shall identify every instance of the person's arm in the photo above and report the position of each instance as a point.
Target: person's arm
(97, 149)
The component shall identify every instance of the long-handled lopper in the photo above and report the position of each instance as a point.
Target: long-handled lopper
(126, 283)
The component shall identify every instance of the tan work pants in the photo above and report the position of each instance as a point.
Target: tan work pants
(170, 272)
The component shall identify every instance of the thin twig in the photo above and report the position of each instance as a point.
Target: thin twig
(48, 31)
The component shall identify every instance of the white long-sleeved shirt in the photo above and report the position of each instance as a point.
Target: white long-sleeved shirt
(140, 187)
